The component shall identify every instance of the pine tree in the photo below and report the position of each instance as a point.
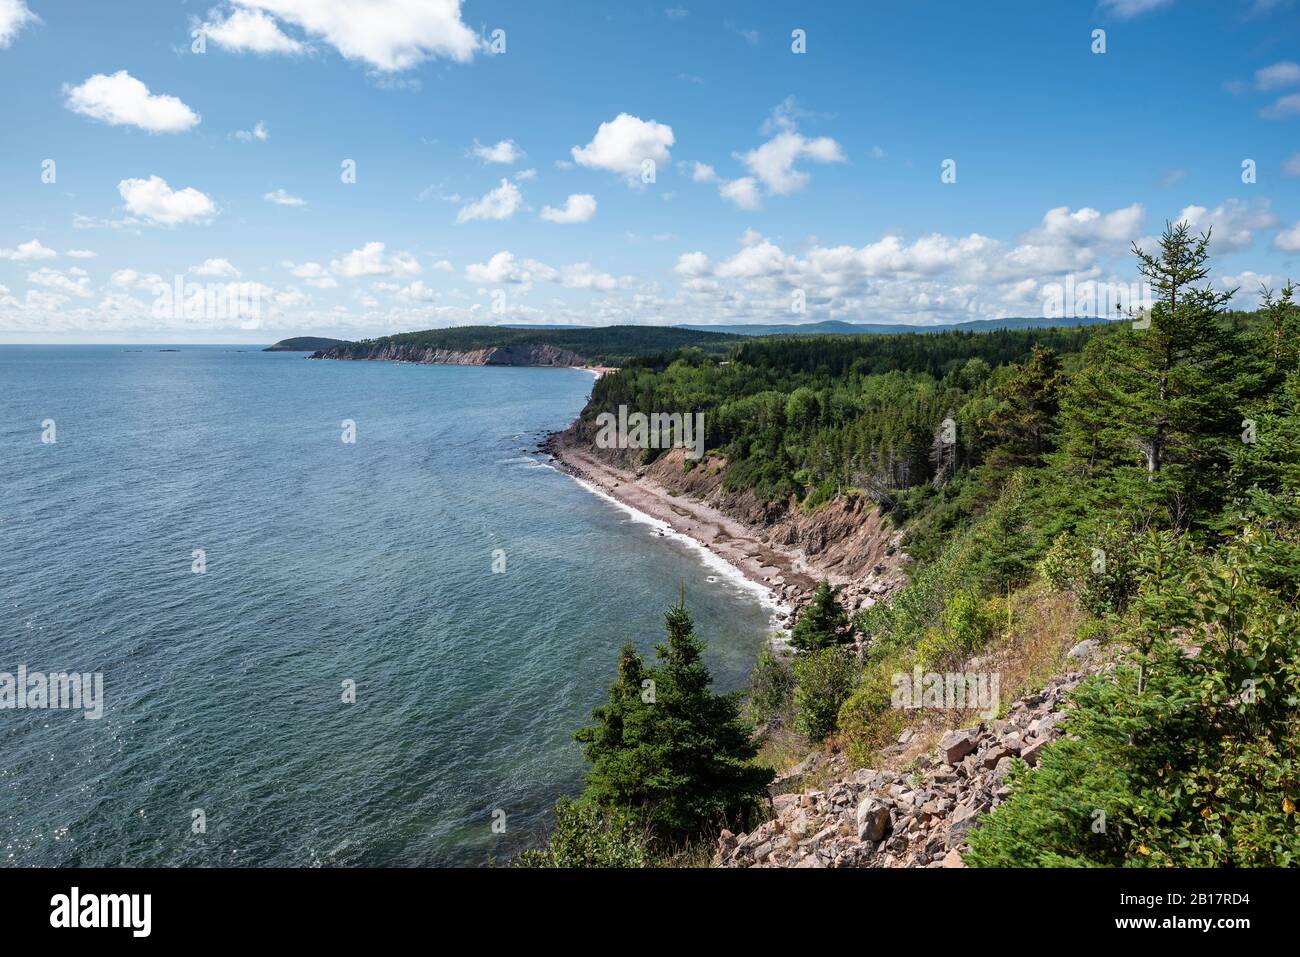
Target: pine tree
(1021, 425)
(1163, 401)
(667, 749)
(823, 621)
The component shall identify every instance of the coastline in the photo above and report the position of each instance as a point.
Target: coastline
(781, 577)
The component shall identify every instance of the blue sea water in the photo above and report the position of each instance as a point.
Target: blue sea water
(326, 562)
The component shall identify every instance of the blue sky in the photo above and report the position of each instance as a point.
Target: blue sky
(507, 186)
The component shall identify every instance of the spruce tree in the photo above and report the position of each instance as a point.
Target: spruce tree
(823, 621)
(668, 750)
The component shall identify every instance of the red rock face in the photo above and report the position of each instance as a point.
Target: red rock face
(516, 355)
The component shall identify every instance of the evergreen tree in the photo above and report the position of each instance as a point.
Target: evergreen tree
(823, 621)
(667, 750)
(1021, 425)
(1166, 397)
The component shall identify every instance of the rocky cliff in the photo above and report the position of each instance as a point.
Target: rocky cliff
(510, 355)
(917, 813)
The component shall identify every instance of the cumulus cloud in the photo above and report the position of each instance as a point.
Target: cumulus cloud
(14, 15)
(742, 192)
(1288, 240)
(251, 31)
(624, 144)
(29, 251)
(260, 132)
(217, 268)
(1285, 107)
(505, 152)
(504, 268)
(81, 253)
(74, 282)
(1233, 224)
(122, 100)
(578, 208)
(281, 198)
(1284, 73)
(388, 35)
(702, 172)
(155, 202)
(500, 203)
(313, 274)
(1128, 9)
(370, 260)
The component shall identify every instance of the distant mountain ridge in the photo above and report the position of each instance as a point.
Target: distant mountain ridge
(839, 327)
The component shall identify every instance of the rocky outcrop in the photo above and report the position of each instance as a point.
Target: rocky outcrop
(512, 355)
(918, 816)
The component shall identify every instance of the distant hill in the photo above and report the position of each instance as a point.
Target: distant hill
(840, 328)
(303, 344)
(600, 345)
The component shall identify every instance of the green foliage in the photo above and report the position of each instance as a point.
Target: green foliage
(823, 621)
(770, 688)
(584, 837)
(967, 625)
(604, 345)
(1191, 758)
(667, 750)
(823, 682)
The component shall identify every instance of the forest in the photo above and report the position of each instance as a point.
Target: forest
(1146, 476)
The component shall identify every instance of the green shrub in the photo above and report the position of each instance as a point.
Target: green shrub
(770, 687)
(584, 837)
(868, 721)
(823, 681)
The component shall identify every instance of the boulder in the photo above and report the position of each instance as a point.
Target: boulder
(955, 745)
(873, 820)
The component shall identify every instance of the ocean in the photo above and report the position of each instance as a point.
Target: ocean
(201, 534)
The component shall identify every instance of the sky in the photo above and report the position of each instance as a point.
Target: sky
(246, 170)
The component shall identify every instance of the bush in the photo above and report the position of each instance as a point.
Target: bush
(968, 624)
(823, 682)
(770, 685)
(823, 621)
(583, 837)
(868, 721)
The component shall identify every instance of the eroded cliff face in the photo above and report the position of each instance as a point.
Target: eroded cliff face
(517, 355)
(847, 540)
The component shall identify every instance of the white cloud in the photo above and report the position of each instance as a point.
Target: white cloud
(579, 208)
(702, 172)
(370, 260)
(742, 192)
(313, 274)
(14, 15)
(1285, 106)
(122, 100)
(260, 132)
(281, 198)
(154, 201)
(1284, 73)
(623, 144)
(501, 268)
(216, 267)
(251, 31)
(1127, 9)
(1233, 224)
(75, 282)
(1291, 166)
(505, 152)
(81, 253)
(878, 153)
(774, 162)
(131, 279)
(500, 203)
(1288, 240)
(525, 175)
(389, 35)
(28, 252)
